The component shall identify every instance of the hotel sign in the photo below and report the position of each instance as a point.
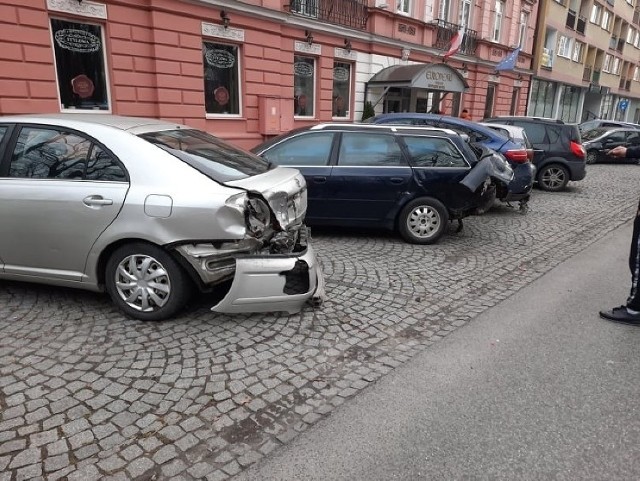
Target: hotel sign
(439, 77)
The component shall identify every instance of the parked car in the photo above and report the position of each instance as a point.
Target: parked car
(597, 142)
(149, 211)
(603, 123)
(399, 178)
(558, 152)
(516, 155)
(515, 133)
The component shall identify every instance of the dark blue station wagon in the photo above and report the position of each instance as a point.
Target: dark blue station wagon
(394, 177)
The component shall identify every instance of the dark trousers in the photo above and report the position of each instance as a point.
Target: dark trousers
(634, 265)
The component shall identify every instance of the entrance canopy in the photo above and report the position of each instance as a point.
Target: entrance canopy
(437, 76)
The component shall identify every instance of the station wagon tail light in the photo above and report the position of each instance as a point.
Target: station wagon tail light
(517, 156)
(577, 149)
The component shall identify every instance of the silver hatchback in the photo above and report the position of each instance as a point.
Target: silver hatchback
(150, 211)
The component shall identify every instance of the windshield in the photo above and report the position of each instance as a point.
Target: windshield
(213, 157)
(594, 133)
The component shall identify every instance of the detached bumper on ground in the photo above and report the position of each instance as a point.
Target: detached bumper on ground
(271, 283)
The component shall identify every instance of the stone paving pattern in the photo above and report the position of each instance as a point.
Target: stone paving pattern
(86, 394)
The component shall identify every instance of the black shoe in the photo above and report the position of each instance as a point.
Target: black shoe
(621, 315)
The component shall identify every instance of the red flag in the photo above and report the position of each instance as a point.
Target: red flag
(456, 42)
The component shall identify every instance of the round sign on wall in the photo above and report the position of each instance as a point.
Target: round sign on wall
(82, 86)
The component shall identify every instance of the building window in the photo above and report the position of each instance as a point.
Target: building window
(564, 46)
(341, 89)
(305, 7)
(80, 65)
(465, 13)
(616, 65)
(636, 74)
(569, 101)
(636, 41)
(606, 66)
(606, 20)
(515, 95)
(596, 11)
(404, 6)
(497, 21)
(490, 100)
(522, 33)
(578, 51)
(542, 96)
(221, 79)
(444, 9)
(304, 81)
(630, 34)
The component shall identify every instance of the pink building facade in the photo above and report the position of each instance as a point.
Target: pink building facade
(246, 71)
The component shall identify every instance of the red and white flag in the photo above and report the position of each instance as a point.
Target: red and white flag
(456, 42)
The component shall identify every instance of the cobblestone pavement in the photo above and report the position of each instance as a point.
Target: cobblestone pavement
(86, 394)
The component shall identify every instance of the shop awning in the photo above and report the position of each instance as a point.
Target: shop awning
(438, 76)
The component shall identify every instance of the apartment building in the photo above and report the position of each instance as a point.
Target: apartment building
(587, 60)
(252, 69)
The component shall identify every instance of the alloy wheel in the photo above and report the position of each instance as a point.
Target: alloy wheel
(554, 178)
(424, 221)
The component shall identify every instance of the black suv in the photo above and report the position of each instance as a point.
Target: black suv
(558, 153)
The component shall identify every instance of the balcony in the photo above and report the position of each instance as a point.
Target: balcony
(348, 13)
(581, 25)
(445, 32)
(571, 19)
(586, 74)
(625, 84)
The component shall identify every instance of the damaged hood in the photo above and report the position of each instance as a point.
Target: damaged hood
(283, 188)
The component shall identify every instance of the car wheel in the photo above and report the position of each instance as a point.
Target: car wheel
(423, 221)
(553, 177)
(592, 157)
(145, 282)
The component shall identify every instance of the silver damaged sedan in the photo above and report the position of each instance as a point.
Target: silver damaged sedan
(150, 211)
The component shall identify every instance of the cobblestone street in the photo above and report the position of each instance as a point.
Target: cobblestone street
(86, 394)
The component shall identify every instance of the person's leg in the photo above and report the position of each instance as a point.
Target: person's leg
(633, 302)
(630, 314)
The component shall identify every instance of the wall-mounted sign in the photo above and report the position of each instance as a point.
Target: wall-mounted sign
(84, 8)
(79, 41)
(229, 33)
(219, 58)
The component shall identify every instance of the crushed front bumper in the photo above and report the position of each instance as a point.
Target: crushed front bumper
(280, 276)
(270, 283)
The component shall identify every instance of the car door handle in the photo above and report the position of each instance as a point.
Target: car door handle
(320, 179)
(396, 180)
(96, 200)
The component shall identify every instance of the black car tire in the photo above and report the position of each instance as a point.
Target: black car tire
(160, 285)
(592, 157)
(423, 221)
(553, 177)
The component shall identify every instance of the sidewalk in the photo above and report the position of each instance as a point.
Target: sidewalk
(536, 388)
